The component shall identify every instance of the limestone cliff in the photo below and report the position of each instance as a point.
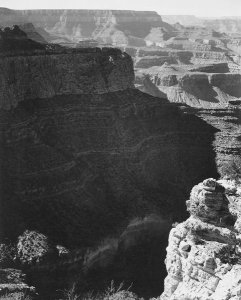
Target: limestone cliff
(203, 255)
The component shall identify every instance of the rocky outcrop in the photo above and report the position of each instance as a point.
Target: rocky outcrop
(203, 255)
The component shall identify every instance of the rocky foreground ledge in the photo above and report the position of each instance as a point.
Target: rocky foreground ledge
(204, 255)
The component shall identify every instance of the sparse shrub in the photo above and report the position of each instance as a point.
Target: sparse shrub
(228, 255)
(118, 293)
(113, 292)
(112, 289)
(122, 295)
(34, 247)
(71, 294)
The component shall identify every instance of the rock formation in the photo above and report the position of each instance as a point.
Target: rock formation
(203, 255)
(45, 76)
(195, 87)
(107, 26)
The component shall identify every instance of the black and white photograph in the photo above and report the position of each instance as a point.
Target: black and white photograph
(120, 149)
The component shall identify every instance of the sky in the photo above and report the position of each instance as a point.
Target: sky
(203, 8)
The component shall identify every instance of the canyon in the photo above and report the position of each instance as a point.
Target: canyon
(107, 121)
(84, 146)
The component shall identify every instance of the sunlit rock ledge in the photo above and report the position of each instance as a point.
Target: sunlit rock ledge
(204, 254)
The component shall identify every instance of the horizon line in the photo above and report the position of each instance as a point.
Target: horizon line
(141, 10)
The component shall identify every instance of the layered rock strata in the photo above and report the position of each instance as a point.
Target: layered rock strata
(203, 255)
(50, 74)
(108, 26)
(196, 89)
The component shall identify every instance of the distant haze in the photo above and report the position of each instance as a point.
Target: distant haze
(203, 8)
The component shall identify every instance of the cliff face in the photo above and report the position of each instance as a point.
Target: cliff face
(196, 89)
(92, 71)
(203, 255)
(105, 25)
(149, 58)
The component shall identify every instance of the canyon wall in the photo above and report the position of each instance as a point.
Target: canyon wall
(108, 26)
